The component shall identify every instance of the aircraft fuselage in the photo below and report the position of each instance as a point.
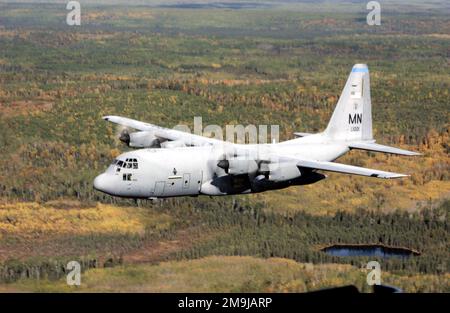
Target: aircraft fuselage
(193, 171)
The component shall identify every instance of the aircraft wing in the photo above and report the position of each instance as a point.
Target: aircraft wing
(164, 133)
(343, 168)
(128, 122)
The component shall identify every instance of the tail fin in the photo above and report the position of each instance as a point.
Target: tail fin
(352, 117)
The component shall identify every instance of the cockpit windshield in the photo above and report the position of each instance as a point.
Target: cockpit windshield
(129, 163)
(132, 163)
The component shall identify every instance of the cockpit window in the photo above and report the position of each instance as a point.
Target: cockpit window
(126, 176)
(131, 163)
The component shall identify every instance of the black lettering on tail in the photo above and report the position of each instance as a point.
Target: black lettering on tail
(355, 119)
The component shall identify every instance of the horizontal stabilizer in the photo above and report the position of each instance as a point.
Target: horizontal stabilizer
(380, 148)
(347, 169)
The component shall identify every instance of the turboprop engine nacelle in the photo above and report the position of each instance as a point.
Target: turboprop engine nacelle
(142, 139)
(283, 171)
(237, 166)
(172, 144)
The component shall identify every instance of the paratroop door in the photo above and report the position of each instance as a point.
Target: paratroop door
(159, 188)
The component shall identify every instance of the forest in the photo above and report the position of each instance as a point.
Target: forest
(285, 64)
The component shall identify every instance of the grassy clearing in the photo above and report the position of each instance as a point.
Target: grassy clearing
(56, 218)
(230, 274)
(34, 232)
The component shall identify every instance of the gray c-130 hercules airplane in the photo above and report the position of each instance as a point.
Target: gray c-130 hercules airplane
(176, 163)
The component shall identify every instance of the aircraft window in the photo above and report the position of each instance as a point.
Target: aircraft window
(126, 176)
(124, 164)
(135, 165)
(119, 163)
(129, 165)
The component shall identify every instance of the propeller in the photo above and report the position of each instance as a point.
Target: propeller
(224, 164)
(123, 134)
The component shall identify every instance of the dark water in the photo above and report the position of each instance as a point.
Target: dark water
(369, 250)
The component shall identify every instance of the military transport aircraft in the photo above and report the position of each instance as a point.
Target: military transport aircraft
(175, 163)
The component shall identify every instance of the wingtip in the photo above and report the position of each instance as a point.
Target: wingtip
(108, 117)
(396, 175)
(389, 175)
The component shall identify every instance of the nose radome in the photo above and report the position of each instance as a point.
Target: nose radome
(100, 182)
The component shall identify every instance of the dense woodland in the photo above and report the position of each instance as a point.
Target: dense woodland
(238, 229)
(300, 236)
(284, 65)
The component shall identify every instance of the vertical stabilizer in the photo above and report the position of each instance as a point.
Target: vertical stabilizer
(352, 117)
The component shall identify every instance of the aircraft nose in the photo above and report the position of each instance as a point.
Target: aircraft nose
(100, 182)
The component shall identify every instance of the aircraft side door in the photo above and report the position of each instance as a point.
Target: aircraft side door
(159, 188)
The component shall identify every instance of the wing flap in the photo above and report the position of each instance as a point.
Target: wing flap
(347, 169)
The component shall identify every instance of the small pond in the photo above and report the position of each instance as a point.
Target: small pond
(370, 251)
